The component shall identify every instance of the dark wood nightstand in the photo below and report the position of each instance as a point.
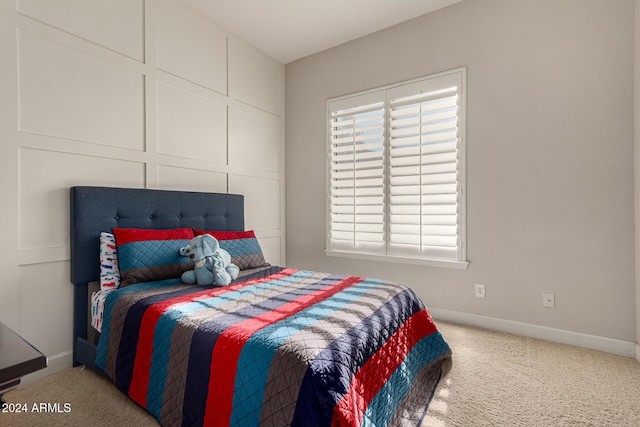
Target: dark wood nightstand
(17, 359)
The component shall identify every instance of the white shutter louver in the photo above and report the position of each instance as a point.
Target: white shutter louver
(357, 178)
(396, 172)
(423, 167)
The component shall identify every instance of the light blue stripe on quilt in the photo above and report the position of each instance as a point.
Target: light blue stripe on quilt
(253, 369)
(385, 403)
(112, 298)
(166, 323)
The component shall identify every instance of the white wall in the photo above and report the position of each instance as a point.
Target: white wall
(129, 93)
(549, 156)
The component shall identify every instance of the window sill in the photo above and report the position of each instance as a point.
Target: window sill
(458, 265)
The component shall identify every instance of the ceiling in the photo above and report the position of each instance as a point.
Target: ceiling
(291, 29)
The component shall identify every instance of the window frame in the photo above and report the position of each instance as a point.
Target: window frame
(461, 175)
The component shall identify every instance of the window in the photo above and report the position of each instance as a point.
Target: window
(396, 172)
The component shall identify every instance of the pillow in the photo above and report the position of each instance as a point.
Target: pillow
(147, 255)
(109, 271)
(243, 247)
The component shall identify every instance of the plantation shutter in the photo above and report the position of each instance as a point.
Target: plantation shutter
(424, 185)
(356, 189)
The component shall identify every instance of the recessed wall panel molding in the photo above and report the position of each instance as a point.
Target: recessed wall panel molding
(65, 93)
(115, 24)
(254, 78)
(183, 179)
(261, 201)
(191, 49)
(41, 305)
(45, 178)
(190, 126)
(255, 138)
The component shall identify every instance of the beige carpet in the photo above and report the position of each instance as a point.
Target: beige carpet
(494, 379)
(499, 379)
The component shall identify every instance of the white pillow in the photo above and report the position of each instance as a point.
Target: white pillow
(109, 270)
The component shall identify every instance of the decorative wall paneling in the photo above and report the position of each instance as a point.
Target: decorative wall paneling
(129, 93)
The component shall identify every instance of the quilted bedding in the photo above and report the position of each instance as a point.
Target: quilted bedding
(278, 347)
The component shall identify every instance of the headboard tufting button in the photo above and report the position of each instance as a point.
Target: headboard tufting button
(150, 216)
(117, 217)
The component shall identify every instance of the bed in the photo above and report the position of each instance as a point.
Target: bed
(278, 346)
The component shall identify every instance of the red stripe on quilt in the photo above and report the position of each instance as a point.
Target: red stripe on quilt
(139, 386)
(368, 381)
(226, 352)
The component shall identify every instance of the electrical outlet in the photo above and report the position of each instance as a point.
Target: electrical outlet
(479, 290)
(548, 300)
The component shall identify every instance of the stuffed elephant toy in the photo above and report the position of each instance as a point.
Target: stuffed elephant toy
(212, 264)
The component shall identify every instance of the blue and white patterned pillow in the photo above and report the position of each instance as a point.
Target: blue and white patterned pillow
(109, 270)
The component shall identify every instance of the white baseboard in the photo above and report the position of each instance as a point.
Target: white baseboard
(55, 363)
(593, 342)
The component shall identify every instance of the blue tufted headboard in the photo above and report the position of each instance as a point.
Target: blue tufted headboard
(97, 209)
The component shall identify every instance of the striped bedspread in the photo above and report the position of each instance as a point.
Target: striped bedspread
(278, 347)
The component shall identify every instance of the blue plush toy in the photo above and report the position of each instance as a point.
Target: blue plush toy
(213, 264)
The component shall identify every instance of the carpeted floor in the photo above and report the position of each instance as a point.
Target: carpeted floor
(499, 379)
(493, 379)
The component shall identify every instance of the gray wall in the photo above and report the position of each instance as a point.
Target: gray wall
(550, 173)
(637, 169)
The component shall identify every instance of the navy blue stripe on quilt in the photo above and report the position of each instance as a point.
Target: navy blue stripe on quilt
(204, 341)
(323, 387)
(126, 356)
